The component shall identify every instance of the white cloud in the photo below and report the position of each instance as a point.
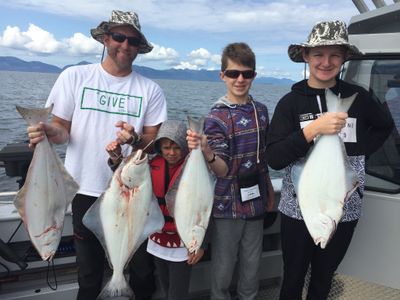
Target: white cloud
(200, 53)
(34, 40)
(200, 62)
(204, 15)
(161, 53)
(203, 59)
(216, 59)
(13, 38)
(186, 65)
(80, 44)
(41, 41)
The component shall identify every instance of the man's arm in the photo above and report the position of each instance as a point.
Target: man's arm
(63, 129)
(148, 136)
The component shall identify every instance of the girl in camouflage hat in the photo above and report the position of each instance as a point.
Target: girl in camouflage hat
(299, 118)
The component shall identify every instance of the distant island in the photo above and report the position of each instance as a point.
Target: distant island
(10, 63)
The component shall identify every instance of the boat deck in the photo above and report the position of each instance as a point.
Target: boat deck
(347, 287)
(343, 288)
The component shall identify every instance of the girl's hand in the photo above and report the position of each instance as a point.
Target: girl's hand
(114, 150)
(194, 258)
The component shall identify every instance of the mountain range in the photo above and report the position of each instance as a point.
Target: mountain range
(10, 63)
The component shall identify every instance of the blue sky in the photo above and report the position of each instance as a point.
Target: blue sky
(185, 33)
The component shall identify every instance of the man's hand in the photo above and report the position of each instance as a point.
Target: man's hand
(57, 132)
(127, 133)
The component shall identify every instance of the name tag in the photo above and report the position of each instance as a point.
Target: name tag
(349, 133)
(250, 193)
(306, 119)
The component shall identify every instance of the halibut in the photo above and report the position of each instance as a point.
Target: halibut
(325, 180)
(123, 217)
(48, 190)
(191, 198)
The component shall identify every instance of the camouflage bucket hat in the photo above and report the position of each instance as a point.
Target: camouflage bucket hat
(330, 33)
(120, 18)
(175, 131)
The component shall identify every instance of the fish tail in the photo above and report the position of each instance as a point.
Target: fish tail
(34, 115)
(116, 287)
(48, 256)
(196, 125)
(335, 103)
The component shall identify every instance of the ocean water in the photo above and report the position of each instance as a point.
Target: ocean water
(184, 98)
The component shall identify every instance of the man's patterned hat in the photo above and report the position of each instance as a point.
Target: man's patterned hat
(330, 33)
(120, 18)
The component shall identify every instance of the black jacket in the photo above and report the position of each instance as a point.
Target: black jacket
(286, 142)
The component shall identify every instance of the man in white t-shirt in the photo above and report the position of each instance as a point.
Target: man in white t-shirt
(94, 104)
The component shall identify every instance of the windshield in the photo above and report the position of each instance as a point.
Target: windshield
(381, 77)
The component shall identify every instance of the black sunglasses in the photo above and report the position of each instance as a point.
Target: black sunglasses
(248, 74)
(120, 38)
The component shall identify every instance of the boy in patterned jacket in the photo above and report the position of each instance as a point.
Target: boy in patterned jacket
(234, 146)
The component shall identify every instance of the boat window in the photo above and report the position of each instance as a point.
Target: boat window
(381, 77)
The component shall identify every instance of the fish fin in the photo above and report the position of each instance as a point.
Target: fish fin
(154, 223)
(196, 125)
(19, 201)
(34, 115)
(351, 189)
(155, 220)
(296, 172)
(71, 186)
(352, 181)
(170, 196)
(92, 221)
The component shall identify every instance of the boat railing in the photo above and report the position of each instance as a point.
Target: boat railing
(363, 8)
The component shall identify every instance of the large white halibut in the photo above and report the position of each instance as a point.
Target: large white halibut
(190, 200)
(122, 218)
(48, 190)
(326, 180)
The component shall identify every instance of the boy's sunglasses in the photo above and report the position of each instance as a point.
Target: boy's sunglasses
(248, 74)
(120, 38)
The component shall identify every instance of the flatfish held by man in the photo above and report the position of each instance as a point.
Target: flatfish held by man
(123, 217)
(48, 190)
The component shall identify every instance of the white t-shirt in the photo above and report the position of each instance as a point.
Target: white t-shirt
(94, 101)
